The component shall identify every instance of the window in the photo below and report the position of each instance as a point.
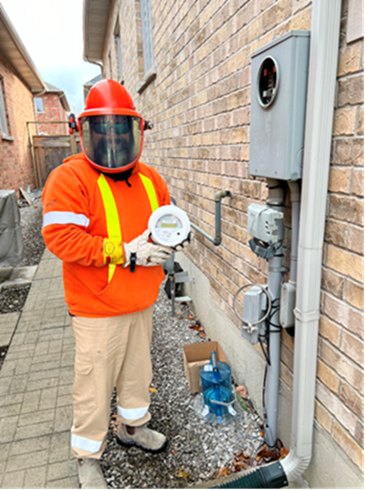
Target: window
(149, 60)
(3, 119)
(38, 104)
(118, 52)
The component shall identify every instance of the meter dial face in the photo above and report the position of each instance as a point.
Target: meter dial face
(267, 82)
(167, 226)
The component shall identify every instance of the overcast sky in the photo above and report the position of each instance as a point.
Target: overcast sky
(51, 31)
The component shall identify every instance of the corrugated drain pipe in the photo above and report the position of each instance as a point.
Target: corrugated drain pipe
(325, 31)
(217, 239)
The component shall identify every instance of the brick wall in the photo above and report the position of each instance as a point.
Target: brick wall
(53, 111)
(16, 169)
(200, 105)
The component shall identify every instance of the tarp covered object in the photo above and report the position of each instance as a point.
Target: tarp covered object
(11, 238)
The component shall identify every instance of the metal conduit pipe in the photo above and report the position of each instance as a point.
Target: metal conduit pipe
(325, 29)
(217, 239)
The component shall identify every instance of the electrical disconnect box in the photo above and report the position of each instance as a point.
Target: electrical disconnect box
(254, 308)
(279, 75)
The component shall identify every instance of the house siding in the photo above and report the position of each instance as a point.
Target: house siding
(200, 106)
(16, 169)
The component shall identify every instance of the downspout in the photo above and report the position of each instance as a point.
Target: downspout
(325, 31)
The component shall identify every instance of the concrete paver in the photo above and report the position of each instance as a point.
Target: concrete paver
(36, 386)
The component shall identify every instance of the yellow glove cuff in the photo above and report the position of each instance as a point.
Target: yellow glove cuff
(112, 251)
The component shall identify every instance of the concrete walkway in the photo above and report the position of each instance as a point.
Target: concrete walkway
(35, 389)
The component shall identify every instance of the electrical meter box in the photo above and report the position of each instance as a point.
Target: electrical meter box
(279, 75)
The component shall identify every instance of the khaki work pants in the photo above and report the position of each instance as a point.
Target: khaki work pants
(110, 352)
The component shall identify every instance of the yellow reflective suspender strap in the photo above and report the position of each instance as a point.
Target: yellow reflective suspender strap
(150, 192)
(112, 218)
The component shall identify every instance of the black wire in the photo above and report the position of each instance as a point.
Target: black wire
(263, 350)
(264, 393)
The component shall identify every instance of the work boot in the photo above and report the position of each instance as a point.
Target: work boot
(90, 474)
(147, 439)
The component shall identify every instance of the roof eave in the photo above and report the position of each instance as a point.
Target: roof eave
(36, 83)
(95, 21)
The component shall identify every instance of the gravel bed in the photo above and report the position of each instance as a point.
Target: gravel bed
(197, 449)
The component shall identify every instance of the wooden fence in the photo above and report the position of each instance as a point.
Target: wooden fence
(48, 152)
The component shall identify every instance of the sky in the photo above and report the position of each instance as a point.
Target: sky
(51, 31)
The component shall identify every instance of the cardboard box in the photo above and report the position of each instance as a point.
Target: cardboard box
(195, 357)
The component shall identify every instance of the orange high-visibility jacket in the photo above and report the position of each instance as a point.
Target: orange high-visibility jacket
(80, 208)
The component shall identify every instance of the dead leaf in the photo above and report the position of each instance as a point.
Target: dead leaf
(201, 329)
(268, 455)
(241, 457)
(242, 391)
(174, 452)
(153, 390)
(194, 327)
(262, 433)
(225, 471)
(202, 335)
(180, 317)
(240, 465)
(191, 317)
(181, 473)
(284, 452)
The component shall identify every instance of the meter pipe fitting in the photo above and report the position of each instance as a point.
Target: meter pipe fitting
(217, 239)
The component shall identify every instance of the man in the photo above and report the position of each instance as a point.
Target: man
(96, 208)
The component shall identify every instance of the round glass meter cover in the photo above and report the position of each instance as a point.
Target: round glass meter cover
(167, 225)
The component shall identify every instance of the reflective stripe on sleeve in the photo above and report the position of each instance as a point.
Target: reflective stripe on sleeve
(65, 218)
(150, 192)
(85, 444)
(132, 413)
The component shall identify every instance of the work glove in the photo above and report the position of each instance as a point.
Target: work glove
(141, 252)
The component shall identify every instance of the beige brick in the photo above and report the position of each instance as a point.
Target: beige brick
(276, 14)
(348, 445)
(349, 151)
(359, 435)
(339, 180)
(358, 182)
(327, 376)
(343, 366)
(345, 262)
(329, 330)
(355, 294)
(349, 59)
(343, 314)
(300, 4)
(333, 283)
(352, 399)
(356, 239)
(360, 120)
(344, 122)
(302, 21)
(335, 232)
(335, 406)
(351, 91)
(353, 347)
(323, 416)
(347, 209)
(254, 30)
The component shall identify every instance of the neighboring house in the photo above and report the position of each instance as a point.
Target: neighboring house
(52, 106)
(187, 66)
(20, 82)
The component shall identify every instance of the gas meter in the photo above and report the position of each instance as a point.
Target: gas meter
(169, 225)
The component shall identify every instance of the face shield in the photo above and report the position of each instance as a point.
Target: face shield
(112, 141)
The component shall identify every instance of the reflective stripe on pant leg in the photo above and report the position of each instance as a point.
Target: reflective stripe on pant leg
(100, 347)
(136, 375)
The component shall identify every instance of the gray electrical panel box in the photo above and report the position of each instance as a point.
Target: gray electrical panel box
(279, 75)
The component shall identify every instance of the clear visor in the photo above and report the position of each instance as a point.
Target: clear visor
(112, 141)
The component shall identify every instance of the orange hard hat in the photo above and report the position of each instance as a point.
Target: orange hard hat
(111, 130)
